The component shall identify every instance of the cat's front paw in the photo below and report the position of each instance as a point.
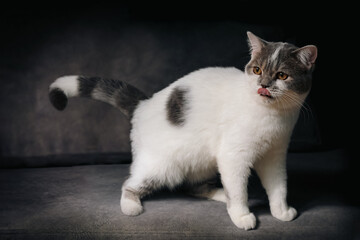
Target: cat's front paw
(246, 222)
(287, 214)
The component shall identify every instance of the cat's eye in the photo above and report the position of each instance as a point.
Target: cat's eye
(257, 70)
(282, 76)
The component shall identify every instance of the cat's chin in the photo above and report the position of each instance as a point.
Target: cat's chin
(266, 99)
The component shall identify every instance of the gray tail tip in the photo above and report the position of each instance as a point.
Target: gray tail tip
(58, 98)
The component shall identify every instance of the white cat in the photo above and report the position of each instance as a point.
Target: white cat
(211, 120)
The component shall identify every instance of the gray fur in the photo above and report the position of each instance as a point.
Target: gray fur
(146, 188)
(277, 57)
(176, 106)
(132, 195)
(117, 93)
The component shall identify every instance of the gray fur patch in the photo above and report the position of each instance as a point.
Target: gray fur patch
(117, 93)
(146, 188)
(132, 195)
(176, 106)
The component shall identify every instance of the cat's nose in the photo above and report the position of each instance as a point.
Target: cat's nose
(264, 86)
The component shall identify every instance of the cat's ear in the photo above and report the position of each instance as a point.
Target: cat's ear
(307, 55)
(255, 43)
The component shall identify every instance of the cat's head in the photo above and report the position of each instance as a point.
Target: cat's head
(280, 73)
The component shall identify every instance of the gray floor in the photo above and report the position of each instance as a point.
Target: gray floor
(82, 202)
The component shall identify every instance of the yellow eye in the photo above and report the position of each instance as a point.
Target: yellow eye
(282, 76)
(257, 70)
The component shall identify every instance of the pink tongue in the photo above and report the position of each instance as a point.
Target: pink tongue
(264, 92)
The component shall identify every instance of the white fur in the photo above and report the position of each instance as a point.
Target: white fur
(275, 54)
(130, 207)
(228, 128)
(69, 84)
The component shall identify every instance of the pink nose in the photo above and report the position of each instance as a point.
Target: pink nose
(264, 92)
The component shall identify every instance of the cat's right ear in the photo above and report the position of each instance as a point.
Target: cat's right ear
(255, 43)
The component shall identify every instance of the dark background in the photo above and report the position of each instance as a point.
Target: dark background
(150, 45)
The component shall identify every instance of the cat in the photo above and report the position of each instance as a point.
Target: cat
(213, 120)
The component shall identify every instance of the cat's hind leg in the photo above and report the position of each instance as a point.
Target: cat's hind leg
(148, 173)
(132, 192)
(207, 190)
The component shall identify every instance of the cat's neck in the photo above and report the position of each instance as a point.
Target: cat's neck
(279, 110)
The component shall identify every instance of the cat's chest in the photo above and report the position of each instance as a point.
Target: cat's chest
(260, 130)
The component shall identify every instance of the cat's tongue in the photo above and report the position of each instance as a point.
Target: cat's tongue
(264, 92)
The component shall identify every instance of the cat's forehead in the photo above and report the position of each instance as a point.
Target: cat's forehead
(276, 55)
(277, 49)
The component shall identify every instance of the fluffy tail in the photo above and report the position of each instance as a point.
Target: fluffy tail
(115, 92)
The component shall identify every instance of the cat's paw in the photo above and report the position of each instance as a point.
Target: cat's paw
(284, 215)
(246, 222)
(130, 207)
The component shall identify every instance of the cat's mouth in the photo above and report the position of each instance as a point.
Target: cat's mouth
(264, 92)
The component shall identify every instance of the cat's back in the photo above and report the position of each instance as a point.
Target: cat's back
(203, 89)
(195, 101)
(209, 76)
(210, 91)
(210, 86)
(194, 93)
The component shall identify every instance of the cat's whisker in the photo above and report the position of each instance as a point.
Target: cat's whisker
(304, 107)
(284, 100)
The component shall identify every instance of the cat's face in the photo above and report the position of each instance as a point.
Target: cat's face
(280, 72)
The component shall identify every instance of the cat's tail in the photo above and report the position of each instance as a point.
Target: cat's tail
(117, 93)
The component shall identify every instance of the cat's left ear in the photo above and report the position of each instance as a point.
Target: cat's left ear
(255, 43)
(307, 55)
